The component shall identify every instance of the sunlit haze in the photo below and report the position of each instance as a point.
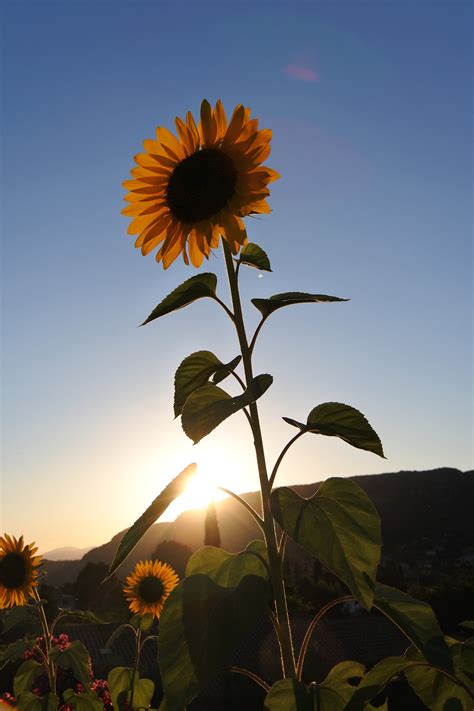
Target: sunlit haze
(370, 107)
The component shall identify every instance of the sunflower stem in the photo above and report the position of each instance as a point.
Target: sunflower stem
(283, 623)
(138, 636)
(50, 669)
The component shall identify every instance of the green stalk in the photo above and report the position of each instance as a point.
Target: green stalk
(138, 636)
(283, 622)
(50, 670)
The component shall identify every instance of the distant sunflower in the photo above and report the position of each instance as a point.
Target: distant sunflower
(148, 587)
(18, 571)
(189, 191)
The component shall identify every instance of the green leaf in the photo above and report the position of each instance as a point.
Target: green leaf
(278, 301)
(31, 702)
(417, 621)
(143, 692)
(74, 657)
(201, 625)
(253, 256)
(142, 622)
(375, 681)
(338, 525)
(334, 419)
(85, 615)
(120, 682)
(223, 372)
(332, 694)
(197, 287)
(436, 689)
(289, 695)
(87, 701)
(26, 675)
(228, 569)
(469, 624)
(14, 651)
(147, 519)
(193, 373)
(208, 406)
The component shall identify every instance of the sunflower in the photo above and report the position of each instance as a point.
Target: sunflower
(191, 190)
(18, 571)
(148, 587)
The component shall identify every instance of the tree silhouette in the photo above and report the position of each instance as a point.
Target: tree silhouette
(175, 554)
(212, 536)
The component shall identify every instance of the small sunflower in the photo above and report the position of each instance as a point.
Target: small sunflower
(148, 587)
(18, 571)
(189, 191)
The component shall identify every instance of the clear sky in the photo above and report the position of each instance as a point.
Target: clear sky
(370, 107)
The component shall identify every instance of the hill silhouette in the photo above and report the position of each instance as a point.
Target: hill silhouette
(423, 508)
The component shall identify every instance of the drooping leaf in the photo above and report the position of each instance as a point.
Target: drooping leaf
(193, 373)
(253, 256)
(85, 701)
(147, 519)
(17, 615)
(223, 372)
(208, 406)
(340, 526)
(25, 676)
(417, 621)
(278, 301)
(375, 681)
(437, 690)
(289, 695)
(74, 657)
(334, 419)
(228, 569)
(85, 615)
(201, 625)
(27, 701)
(14, 651)
(197, 287)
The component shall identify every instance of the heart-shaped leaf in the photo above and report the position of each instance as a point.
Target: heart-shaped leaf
(197, 287)
(253, 256)
(332, 694)
(436, 689)
(201, 625)
(228, 569)
(14, 651)
(28, 701)
(86, 701)
(120, 682)
(208, 406)
(278, 301)
(26, 675)
(340, 526)
(148, 518)
(194, 372)
(74, 657)
(334, 419)
(417, 621)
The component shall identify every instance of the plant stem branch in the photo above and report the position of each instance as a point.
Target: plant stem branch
(251, 675)
(50, 670)
(243, 503)
(226, 308)
(138, 636)
(255, 335)
(281, 455)
(284, 630)
(312, 625)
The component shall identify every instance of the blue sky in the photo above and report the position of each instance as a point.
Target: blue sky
(370, 106)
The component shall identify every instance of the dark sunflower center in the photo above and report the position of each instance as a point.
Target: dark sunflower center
(201, 185)
(151, 589)
(12, 570)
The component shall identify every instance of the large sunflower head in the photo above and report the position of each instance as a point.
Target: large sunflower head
(148, 587)
(18, 571)
(190, 190)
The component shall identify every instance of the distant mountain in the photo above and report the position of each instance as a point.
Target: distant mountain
(66, 553)
(413, 506)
